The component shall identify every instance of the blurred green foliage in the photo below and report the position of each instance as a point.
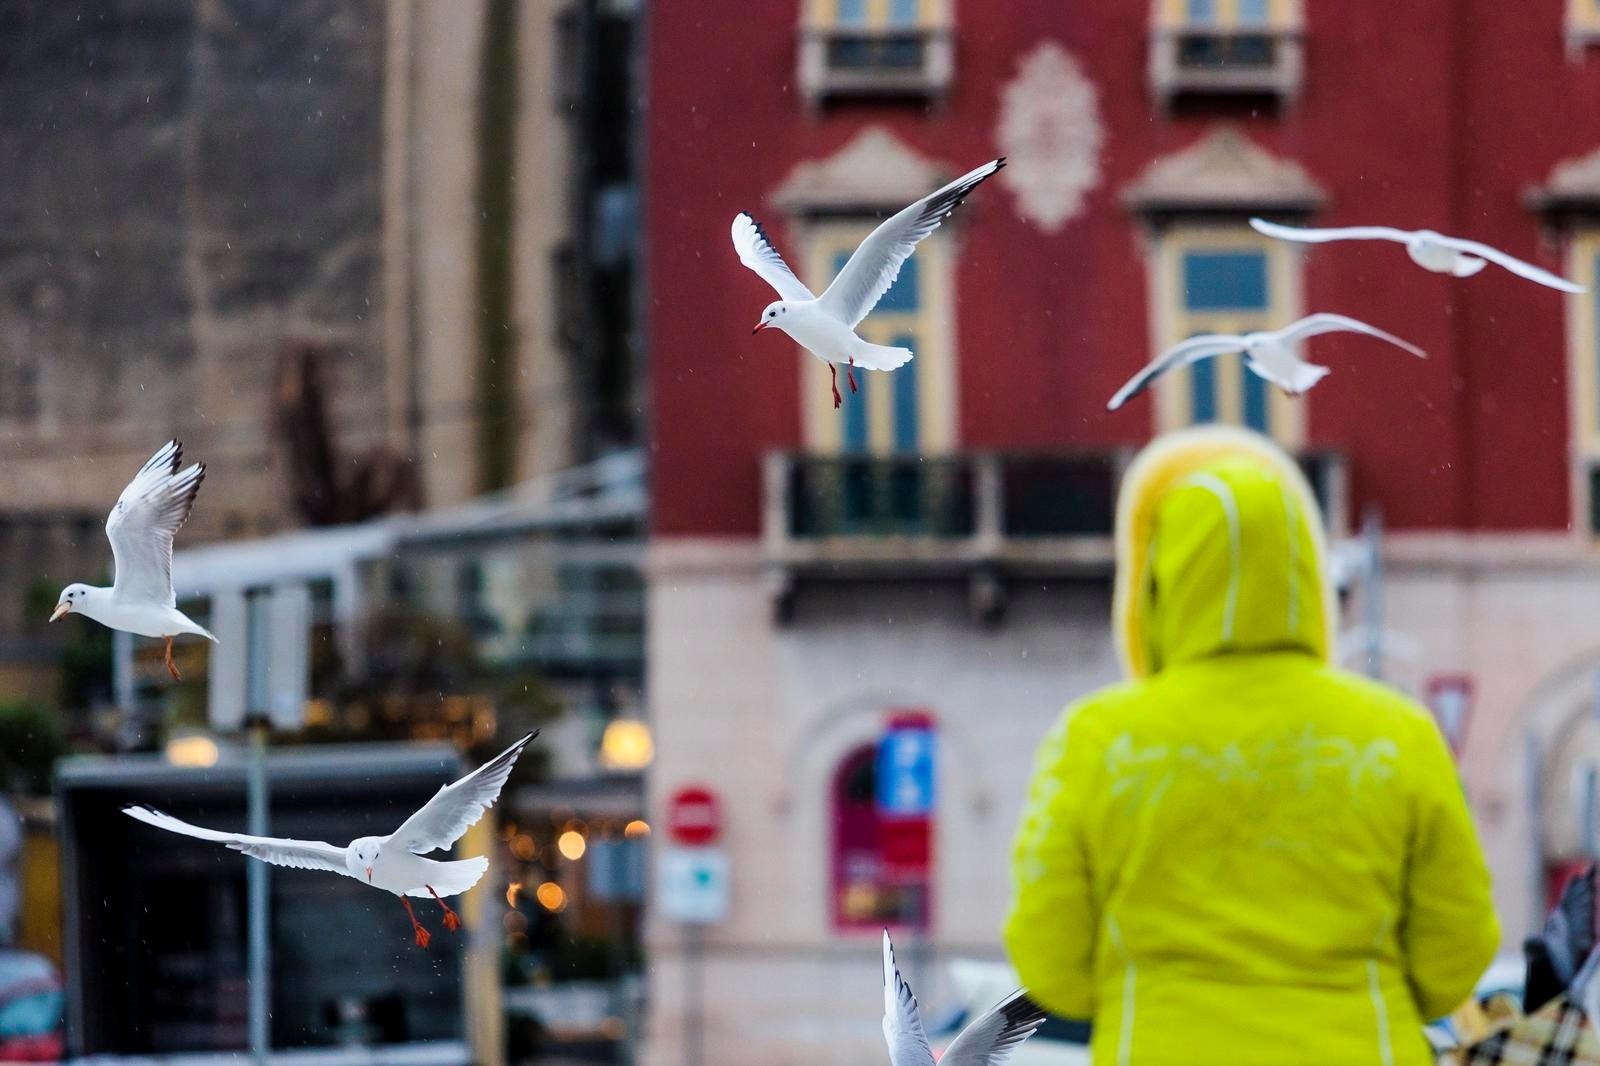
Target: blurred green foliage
(30, 743)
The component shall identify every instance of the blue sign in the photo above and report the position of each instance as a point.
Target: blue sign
(616, 870)
(905, 772)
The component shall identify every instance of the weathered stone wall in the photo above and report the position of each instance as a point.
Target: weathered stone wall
(186, 185)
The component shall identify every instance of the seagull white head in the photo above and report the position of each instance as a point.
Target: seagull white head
(73, 597)
(364, 853)
(773, 316)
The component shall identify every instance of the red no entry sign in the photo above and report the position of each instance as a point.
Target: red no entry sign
(694, 816)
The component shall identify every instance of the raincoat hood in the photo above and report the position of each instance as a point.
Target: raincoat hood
(1219, 550)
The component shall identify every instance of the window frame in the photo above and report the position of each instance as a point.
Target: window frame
(1582, 25)
(1172, 321)
(1583, 369)
(821, 77)
(1282, 15)
(1173, 31)
(824, 14)
(931, 324)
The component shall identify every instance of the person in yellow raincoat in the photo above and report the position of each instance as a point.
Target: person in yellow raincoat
(1243, 855)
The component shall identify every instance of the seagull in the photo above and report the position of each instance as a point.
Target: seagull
(393, 863)
(989, 1041)
(1269, 353)
(150, 511)
(826, 325)
(1431, 251)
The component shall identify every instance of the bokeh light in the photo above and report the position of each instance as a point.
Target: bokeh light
(572, 844)
(551, 897)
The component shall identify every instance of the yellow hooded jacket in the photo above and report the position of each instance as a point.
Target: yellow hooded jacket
(1243, 855)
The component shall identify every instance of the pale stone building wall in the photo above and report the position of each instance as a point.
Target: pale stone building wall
(763, 712)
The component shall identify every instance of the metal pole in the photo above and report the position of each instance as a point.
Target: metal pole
(1534, 769)
(1372, 591)
(260, 946)
(694, 997)
(1591, 793)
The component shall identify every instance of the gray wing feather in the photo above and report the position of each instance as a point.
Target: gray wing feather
(991, 1039)
(1322, 236)
(456, 807)
(1328, 322)
(1512, 263)
(756, 252)
(296, 854)
(876, 264)
(141, 527)
(1181, 354)
(902, 1021)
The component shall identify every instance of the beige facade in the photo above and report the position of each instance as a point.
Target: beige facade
(763, 711)
(359, 234)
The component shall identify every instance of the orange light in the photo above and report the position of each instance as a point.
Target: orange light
(572, 844)
(511, 893)
(626, 745)
(522, 846)
(636, 829)
(551, 897)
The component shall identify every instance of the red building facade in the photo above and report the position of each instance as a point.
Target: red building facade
(940, 541)
(1440, 114)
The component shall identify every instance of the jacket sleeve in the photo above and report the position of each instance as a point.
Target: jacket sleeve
(1449, 932)
(1050, 931)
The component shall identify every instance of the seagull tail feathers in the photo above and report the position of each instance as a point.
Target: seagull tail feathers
(454, 878)
(1305, 376)
(880, 357)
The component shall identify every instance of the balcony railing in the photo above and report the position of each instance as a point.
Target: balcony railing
(914, 62)
(838, 515)
(1198, 61)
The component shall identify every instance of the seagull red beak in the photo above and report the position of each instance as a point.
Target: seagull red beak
(369, 875)
(61, 609)
(759, 327)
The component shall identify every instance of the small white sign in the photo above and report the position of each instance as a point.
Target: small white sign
(692, 885)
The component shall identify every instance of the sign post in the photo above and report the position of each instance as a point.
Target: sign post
(693, 891)
(906, 786)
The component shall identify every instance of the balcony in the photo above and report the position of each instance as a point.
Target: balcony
(1193, 61)
(911, 62)
(979, 516)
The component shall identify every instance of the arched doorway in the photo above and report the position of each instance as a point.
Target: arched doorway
(881, 867)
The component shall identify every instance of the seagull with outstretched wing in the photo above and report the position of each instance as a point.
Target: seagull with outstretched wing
(989, 1041)
(1455, 256)
(1268, 354)
(148, 514)
(394, 863)
(826, 325)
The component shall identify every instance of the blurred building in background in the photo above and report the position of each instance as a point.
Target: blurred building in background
(358, 257)
(375, 264)
(938, 550)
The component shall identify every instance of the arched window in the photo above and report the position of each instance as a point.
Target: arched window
(881, 869)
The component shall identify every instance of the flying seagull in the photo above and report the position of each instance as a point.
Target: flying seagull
(989, 1041)
(1429, 250)
(150, 511)
(826, 325)
(394, 863)
(1269, 353)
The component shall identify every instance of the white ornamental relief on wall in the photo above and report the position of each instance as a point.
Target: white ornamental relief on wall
(1050, 134)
